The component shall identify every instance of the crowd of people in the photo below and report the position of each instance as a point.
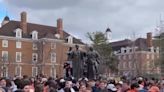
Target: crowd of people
(43, 84)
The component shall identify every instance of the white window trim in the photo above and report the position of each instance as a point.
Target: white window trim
(158, 56)
(18, 31)
(148, 64)
(36, 72)
(124, 65)
(130, 64)
(130, 56)
(53, 60)
(53, 74)
(70, 39)
(147, 56)
(16, 73)
(124, 57)
(33, 57)
(6, 75)
(5, 42)
(18, 44)
(53, 45)
(34, 46)
(20, 57)
(152, 56)
(34, 35)
(119, 57)
(3, 53)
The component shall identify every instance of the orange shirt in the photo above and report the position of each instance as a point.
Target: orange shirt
(154, 89)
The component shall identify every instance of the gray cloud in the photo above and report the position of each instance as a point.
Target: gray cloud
(81, 16)
(44, 4)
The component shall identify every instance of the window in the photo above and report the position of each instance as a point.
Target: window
(115, 52)
(4, 71)
(134, 64)
(34, 46)
(34, 35)
(18, 33)
(124, 65)
(158, 56)
(122, 50)
(130, 56)
(130, 50)
(70, 39)
(53, 57)
(53, 45)
(34, 57)
(157, 49)
(147, 56)
(124, 57)
(125, 51)
(34, 71)
(53, 72)
(4, 56)
(130, 64)
(152, 56)
(148, 64)
(4, 43)
(120, 66)
(18, 44)
(18, 71)
(18, 56)
(119, 57)
(135, 55)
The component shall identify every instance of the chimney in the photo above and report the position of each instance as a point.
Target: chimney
(60, 27)
(149, 40)
(23, 23)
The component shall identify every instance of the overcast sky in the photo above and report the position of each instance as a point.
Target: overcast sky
(123, 17)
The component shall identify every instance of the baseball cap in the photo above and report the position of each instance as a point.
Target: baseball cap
(111, 87)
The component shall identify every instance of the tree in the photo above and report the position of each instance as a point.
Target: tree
(100, 44)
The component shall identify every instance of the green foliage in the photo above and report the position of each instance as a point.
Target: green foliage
(100, 44)
(97, 37)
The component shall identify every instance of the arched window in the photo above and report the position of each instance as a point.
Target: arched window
(70, 39)
(34, 35)
(18, 33)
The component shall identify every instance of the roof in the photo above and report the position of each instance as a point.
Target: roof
(108, 30)
(140, 43)
(118, 44)
(44, 31)
(6, 18)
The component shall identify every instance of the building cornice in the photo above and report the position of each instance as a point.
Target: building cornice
(14, 38)
(21, 63)
(137, 52)
(73, 45)
(30, 40)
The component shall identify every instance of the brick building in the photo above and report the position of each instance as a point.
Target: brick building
(137, 57)
(31, 49)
